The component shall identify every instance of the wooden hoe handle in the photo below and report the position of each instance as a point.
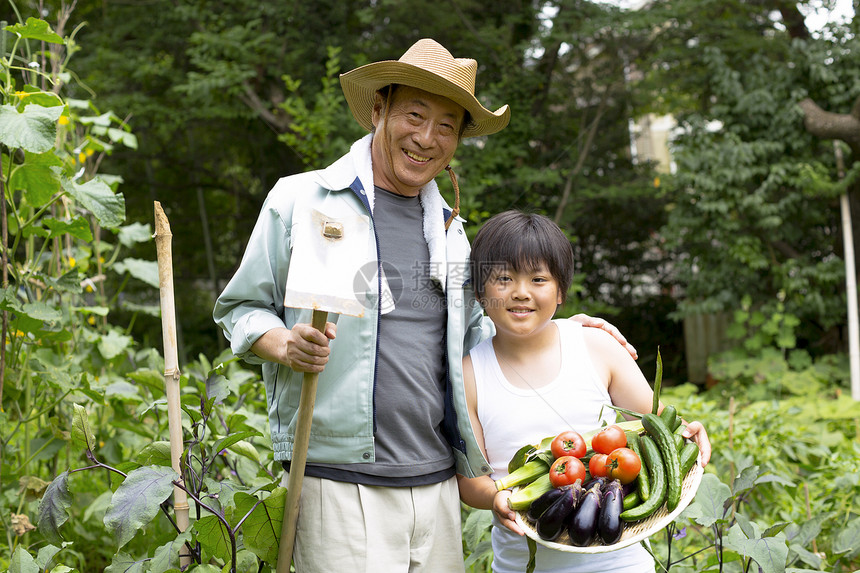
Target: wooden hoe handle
(300, 455)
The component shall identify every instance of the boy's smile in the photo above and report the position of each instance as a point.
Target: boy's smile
(521, 302)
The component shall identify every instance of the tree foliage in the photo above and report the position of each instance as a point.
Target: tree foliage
(213, 102)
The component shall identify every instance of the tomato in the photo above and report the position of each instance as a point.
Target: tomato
(623, 464)
(608, 439)
(566, 470)
(597, 465)
(568, 443)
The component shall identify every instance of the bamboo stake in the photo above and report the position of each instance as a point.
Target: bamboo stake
(850, 279)
(163, 239)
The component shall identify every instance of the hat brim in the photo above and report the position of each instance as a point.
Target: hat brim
(361, 84)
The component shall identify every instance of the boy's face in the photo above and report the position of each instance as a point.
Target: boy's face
(521, 303)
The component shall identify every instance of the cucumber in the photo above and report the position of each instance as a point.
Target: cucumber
(668, 415)
(656, 428)
(642, 484)
(631, 500)
(687, 457)
(657, 476)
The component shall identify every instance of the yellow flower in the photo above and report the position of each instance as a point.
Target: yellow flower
(91, 320)
(82, 157)
(90, 152)
(22, 95)
(89, 288)
(656, 182)
(64, 120)
(72, 262)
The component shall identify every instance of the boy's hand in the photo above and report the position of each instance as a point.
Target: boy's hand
(696, 432)
(505, 514)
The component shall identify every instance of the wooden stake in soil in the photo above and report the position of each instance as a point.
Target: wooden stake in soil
(163, 240)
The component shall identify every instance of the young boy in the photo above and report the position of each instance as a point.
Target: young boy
(537, 377)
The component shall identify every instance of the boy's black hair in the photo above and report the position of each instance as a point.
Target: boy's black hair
(521, 241)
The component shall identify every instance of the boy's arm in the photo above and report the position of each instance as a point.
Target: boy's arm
(628, 387)
(480, 492)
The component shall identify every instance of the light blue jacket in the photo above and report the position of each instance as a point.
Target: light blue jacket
(252, 304)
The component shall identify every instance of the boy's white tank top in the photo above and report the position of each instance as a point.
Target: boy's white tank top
(512, 417)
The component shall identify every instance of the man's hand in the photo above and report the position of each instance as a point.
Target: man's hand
(303, 348)
(594, 322)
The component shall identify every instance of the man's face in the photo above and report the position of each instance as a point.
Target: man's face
(415, 141)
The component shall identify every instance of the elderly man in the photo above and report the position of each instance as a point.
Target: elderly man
(390, 428)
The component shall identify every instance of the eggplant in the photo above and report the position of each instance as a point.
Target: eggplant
(582, 523)
(550, 524)
(541, 504)
(601, 481)
(609, 524)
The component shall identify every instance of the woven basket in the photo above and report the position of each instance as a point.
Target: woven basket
(633, 532)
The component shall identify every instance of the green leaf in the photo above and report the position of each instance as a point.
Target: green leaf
(122, 136)
(22, 562)
(41, 311)
(228, 441)
(769, 552)
(46, 553)
(77, 227)
(478, 522)
(82, 434)
(130, 235)
(36, 29)
(246, 449)
(532, 544)
(658, 383)
(225, 490)
(113, 344)
(805, 555)
(261, 531)
(34, 129)
(136, 501)
(53, 509)
(708, 507)
(155, 454)
(98, 198)
(37, 177)
(745, 480)
(848, 540)
(213, 536)
(41, 97)
(146, 271)
(167, 555)
(124, 563)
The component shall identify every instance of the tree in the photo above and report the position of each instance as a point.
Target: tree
(753, 209)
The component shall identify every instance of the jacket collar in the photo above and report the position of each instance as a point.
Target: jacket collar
(354, 171)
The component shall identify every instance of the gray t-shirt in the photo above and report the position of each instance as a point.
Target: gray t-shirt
(411, 370)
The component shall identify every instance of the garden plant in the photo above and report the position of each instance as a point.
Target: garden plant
(85, 469)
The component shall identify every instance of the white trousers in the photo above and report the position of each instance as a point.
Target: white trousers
(368, 529)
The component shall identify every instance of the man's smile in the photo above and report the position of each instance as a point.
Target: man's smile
(416, 157)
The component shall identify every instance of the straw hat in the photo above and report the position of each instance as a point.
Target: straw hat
(427, 65)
